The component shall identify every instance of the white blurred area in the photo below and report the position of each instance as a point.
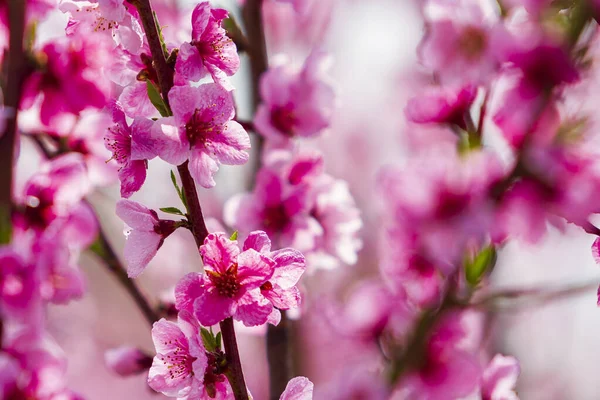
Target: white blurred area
(374, 45)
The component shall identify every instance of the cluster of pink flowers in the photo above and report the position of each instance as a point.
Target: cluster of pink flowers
(117, 92)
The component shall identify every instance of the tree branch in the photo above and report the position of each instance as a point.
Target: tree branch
(16, 72)
(198, 227)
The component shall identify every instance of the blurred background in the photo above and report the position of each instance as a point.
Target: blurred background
(375, 71)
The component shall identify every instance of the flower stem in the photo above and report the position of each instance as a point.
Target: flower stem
(16, 72)
(104, 250)
(198, 226)
(194, 211)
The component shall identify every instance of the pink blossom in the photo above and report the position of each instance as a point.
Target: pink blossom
(59, 185)
(439, 206)
(449, 369)
(462, 41)
(127, 360)
(39, 366)
(146, 234)
(71, 79)
(103, 17)
(299, 206)
(179, 365)
(370, 309)
(558, 180)
(298, 388)
(536, 71)
(132, 147)
(500, 378)
(201, 130)
(289, 266)
(230, 285)
(210, 51)
(295, 103)
(443, 105)
(18, 283)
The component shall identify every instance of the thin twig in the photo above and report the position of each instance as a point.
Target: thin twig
(513, 299)
(104, 250)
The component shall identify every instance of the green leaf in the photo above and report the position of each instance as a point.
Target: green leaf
(210, 343)
(160, 35)
(172, 210)
(174, 180)
(234, 236)
(477, 267)
(156, 99)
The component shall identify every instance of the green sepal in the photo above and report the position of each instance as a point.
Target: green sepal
(211, 343)
(172, 210)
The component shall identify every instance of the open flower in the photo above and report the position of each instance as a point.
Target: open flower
(71, 78)
(201, 130)
(210, 51)
(229, 286)
(299, 206)
(147, 234)
(180, 362)
(295, 103)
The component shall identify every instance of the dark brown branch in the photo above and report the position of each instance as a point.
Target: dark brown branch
(198, 227)
(16, 72)
(163, 71)
(234, 372)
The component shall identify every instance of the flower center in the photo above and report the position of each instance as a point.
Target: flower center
(199, 130)
(227, 283)
(275, 219)
(119, 142)
(213, 47)
(283, 119)
(38, 209)
(472, 42)
(179, 362)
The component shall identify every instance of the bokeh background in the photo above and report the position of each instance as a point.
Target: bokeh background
(375, 71)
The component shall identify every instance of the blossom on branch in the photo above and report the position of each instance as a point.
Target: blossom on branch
(202, 131)
(211, 51)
